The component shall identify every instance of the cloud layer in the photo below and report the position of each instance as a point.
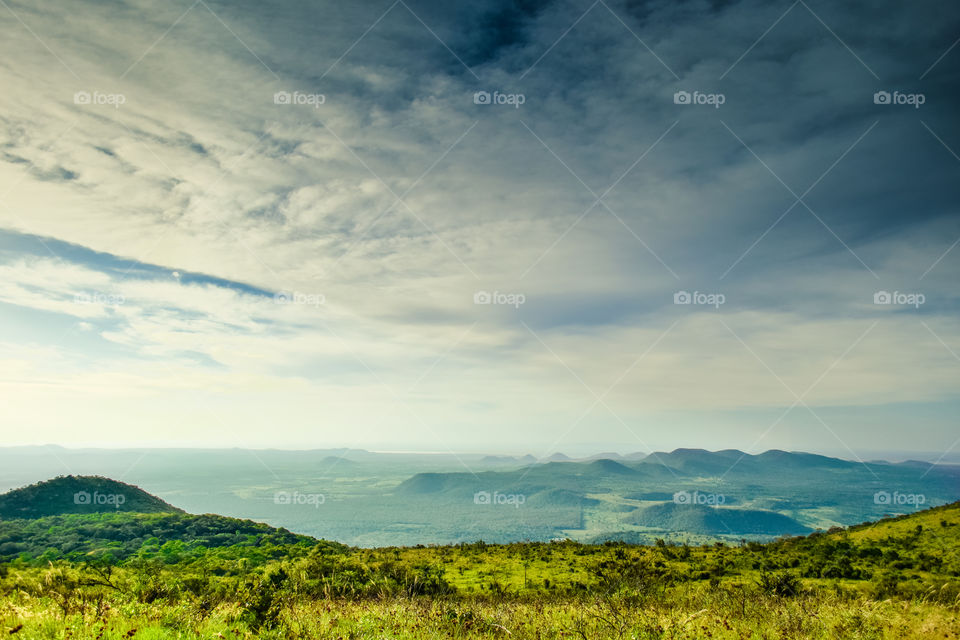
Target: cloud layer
(268, 224)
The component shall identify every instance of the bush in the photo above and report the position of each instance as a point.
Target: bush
(782, 584)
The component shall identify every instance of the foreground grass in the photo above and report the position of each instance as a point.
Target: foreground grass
(697, 611)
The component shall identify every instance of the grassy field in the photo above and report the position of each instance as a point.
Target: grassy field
(692, 613)
(899, 578)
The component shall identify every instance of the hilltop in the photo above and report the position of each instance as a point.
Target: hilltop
(79, 494)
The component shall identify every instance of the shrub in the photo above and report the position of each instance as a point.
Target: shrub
(781, 584)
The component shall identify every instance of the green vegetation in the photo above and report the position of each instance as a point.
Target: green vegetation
(119, 536)
(174, 575)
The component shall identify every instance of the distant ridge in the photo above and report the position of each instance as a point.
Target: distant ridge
(608, 455)
(605, 465)
(79, 494)
(343, 462)
(727, 460)
(800, 459)
(500, 460)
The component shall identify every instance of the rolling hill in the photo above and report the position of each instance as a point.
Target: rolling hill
(559, 498)
(608, 466)
(708, 520)
(79, 494)
(64, 517)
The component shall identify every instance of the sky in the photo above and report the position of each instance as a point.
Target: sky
(502, 227)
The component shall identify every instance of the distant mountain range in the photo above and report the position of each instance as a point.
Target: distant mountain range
(43, 518)
(372, 499)
(718, 493)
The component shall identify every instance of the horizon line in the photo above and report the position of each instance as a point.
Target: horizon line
(901, 455)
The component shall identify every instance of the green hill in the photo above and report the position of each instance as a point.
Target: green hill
(79, 494)
(76, 517)
(703, 519)
(559, 498)
(943, 520)
(608, 466)
(426, 483)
